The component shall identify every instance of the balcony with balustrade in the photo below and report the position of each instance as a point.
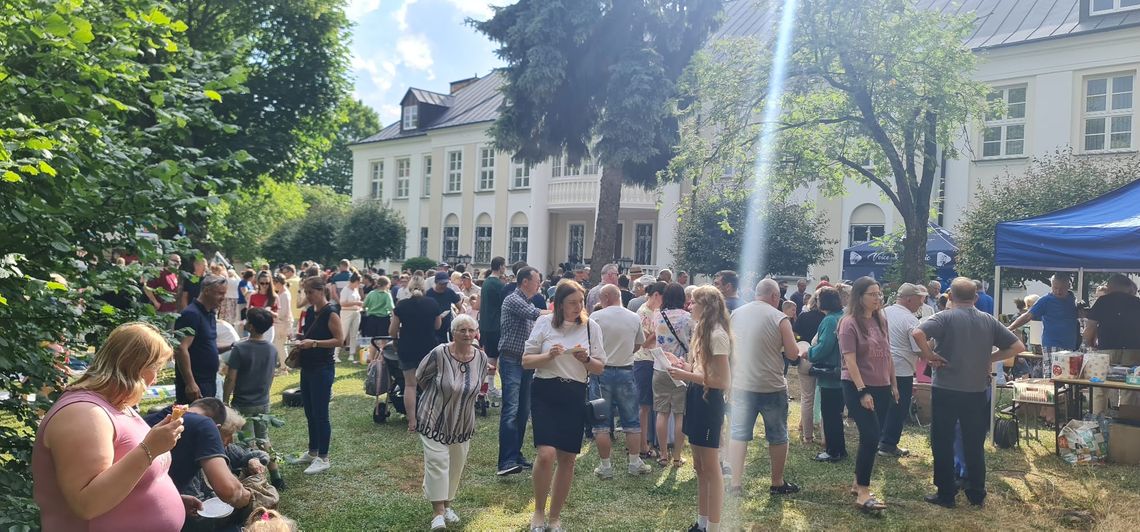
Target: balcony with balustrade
(578, 193)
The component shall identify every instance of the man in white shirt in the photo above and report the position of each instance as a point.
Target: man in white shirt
(622, 335)
(764, 338)
(901, 321)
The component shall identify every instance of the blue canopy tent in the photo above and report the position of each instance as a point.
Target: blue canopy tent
(868, 259)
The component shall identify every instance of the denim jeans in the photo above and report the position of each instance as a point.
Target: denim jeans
(831, 412)
(616, 386)
(515, 410)
(316, 392)
(896, 416)
(773, 407)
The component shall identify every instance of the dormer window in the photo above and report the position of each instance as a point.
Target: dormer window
(1104, 7)
(411, 116)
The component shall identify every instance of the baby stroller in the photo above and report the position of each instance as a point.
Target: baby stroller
(385, 379)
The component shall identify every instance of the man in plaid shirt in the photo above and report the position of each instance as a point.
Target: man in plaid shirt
(518, 316)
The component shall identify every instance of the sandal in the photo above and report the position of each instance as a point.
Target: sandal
(678, 462)
(787, 489)
(663, 461)
(651, 454)
(871, 505)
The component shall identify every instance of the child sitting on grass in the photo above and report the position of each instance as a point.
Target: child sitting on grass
(249, 375)
(266, 520)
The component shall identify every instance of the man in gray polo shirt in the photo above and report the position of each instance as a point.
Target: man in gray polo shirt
(966, 340)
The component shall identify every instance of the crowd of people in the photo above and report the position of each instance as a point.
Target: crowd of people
(662, 361)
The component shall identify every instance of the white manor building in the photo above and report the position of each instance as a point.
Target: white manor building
(1066, 70)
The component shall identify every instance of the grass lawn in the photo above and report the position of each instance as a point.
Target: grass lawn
(375, 484)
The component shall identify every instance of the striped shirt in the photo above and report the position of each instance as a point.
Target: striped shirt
(515, 324)
(445, 410)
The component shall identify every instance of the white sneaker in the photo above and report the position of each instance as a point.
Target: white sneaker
(451, 517)
(303, 458)
(319, 464)
(438, 523)
(640, 469)
(604, 472)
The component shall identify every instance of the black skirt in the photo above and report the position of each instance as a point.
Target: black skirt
(373, 326)
(703, 417)
(558, 413)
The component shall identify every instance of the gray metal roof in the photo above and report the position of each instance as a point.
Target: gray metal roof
(478, 102)
(999, 22)
(431, 98)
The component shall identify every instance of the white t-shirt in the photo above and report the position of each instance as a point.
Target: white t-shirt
(759, 350)
(900, 323)
(284, 308)
(544, 336)
(232, 288)
(349, 295)
(227, 335)
(645, 314)
(621, 334)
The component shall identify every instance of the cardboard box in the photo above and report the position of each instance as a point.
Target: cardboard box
(1123, 444)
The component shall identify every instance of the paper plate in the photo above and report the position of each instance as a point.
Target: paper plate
(214, 508)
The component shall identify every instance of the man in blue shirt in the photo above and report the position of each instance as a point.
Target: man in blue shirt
(985, 303)
(196, 359)
(1057, 311)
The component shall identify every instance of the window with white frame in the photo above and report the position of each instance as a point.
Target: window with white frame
(454, 171)
(589, 166)
(486, 169)
(403, 177)
(376, 178)
(427, 179)
(520, 174)
(423, 241)
(1108, 112)
(519, 237)
(576, 248)
(643, 244)
(860, 233)
(1103, 7)
(450, 243)
(401, 252)
(1004, 133)
(411, 116)
(561, 167)
(482, 244)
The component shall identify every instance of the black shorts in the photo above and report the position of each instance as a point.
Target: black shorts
(373, 326)
(704, 417)
(489, 341)
(643, 376)
(558, 413)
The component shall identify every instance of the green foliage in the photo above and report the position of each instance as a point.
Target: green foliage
(357, 121)
(292, 59)
(711, 235)
(1050, 182)
(313, 236)
(372, 232)
(241, 222)
(99, 104)
(869, 81)
(588, 76)
(419, 263)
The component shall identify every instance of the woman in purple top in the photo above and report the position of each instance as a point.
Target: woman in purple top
(868, 379)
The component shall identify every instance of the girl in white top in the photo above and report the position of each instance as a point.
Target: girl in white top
(350, 306)
(563, 348)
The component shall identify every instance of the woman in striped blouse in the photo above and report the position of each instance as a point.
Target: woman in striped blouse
(449, 377)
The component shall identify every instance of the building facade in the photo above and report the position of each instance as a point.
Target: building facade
(460, 197)
(1064, 70)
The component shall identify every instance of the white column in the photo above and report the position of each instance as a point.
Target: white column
(667, 224)
(538, 248)
(412, 210)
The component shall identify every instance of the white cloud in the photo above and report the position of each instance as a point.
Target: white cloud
(389, 113)
(414, 52)
(480, 9)
(380, 72)
(358, 8)
(401, 14)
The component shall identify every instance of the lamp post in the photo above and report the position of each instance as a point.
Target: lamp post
(623, 264)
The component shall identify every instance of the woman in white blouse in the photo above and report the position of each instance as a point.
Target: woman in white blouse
(350, 306)
(562, 349)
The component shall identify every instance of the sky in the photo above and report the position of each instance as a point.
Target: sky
(398, 44)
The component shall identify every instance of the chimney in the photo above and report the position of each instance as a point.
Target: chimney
(457, 86)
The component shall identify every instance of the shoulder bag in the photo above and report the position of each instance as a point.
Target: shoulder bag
(293, 361)
(597, 410)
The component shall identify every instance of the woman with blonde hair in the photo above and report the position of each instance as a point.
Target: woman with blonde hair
(96, 464)
(563, 349)
(414, 323)
(709, 377)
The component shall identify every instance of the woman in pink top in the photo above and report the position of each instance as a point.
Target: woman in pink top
(96, 464)
(868, 380)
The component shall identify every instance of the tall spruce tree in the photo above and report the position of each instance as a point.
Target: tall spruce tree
(596, 78)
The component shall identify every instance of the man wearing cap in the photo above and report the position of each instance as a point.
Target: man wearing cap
(635, 273)
(1057, 311)
(901, 321)
(445, 297)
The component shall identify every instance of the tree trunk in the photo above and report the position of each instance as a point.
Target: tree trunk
(605, 227)
(914, 248)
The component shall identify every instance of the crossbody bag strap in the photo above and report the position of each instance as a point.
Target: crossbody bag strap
(674, 332)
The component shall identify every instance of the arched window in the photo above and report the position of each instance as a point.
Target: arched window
(867, 223)
(520, 234)
(482, 239)
(450, 250)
